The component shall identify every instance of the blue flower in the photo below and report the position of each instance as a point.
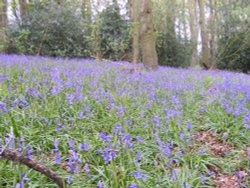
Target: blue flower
(138, 156)
(108, 154)
(69, 179)
(100, 185)
(139, 175)
(22, 179)
(57, 159)
(132, 186)
(189, 126)
(71, 143)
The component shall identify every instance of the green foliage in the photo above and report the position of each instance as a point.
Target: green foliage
(234, 52)
(50, 30)
(172, 51)
(113, 33)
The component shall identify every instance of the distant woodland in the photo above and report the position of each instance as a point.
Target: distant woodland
(207, 34)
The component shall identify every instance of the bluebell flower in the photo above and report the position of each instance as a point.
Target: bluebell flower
(139, 175)
(100, 185)
(85, 146)
(104, 137)
(56, 143)
(86, 168)
(139, 139)
(71, 143)
(22, 179)
(108, 154)
(138, 156)
(69, 179)
(57, 159)
(189, 126)
(182, 135)
(132, 186)
(29, 152)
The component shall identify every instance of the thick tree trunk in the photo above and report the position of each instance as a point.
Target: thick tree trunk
(147, 35)
(194, 32)
(3, 22)
(204, 36)
(134, 14)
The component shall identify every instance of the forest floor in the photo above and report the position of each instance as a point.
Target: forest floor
(99, 124)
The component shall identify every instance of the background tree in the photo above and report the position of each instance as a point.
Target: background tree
(193, 31)
(86, 10)
(113, 33)
(102, 29)
(134, 14)
(204, 37)
(233, 35)
(3, 22)
(23, 9)
(173, 45)
(147, 35)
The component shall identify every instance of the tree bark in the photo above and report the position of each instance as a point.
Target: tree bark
(147, 35)
(3, 22)
(23, 8)
(212, 37)
(13, 6)
(134, 14)
(194, 32)
(184, 20)
(17, 157)
(86, 10)
(204, 36)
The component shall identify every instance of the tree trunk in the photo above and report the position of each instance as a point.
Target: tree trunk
(86, 10)
(194, 32)
(96, 40)
(212, 46)
(59, 2)
(184, 20)
(23, 8)
(3, 22)
(134, 14)
(13, 6)
(171, 19)
(204, 36)
(147, 35)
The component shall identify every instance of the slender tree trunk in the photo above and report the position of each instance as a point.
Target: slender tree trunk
(212, 45)
(147, 35)
(171, 19)
(3, 14)
(59, 2)
(134, 14)
(204, 36)
(86, 10)
(23, 8)
(3, 22)
(13, 6)
(194, 32)
(184, 20)
(96, 42)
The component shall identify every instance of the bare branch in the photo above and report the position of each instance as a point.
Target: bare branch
(18, 157)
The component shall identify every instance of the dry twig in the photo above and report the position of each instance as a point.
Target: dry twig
(18, 157)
